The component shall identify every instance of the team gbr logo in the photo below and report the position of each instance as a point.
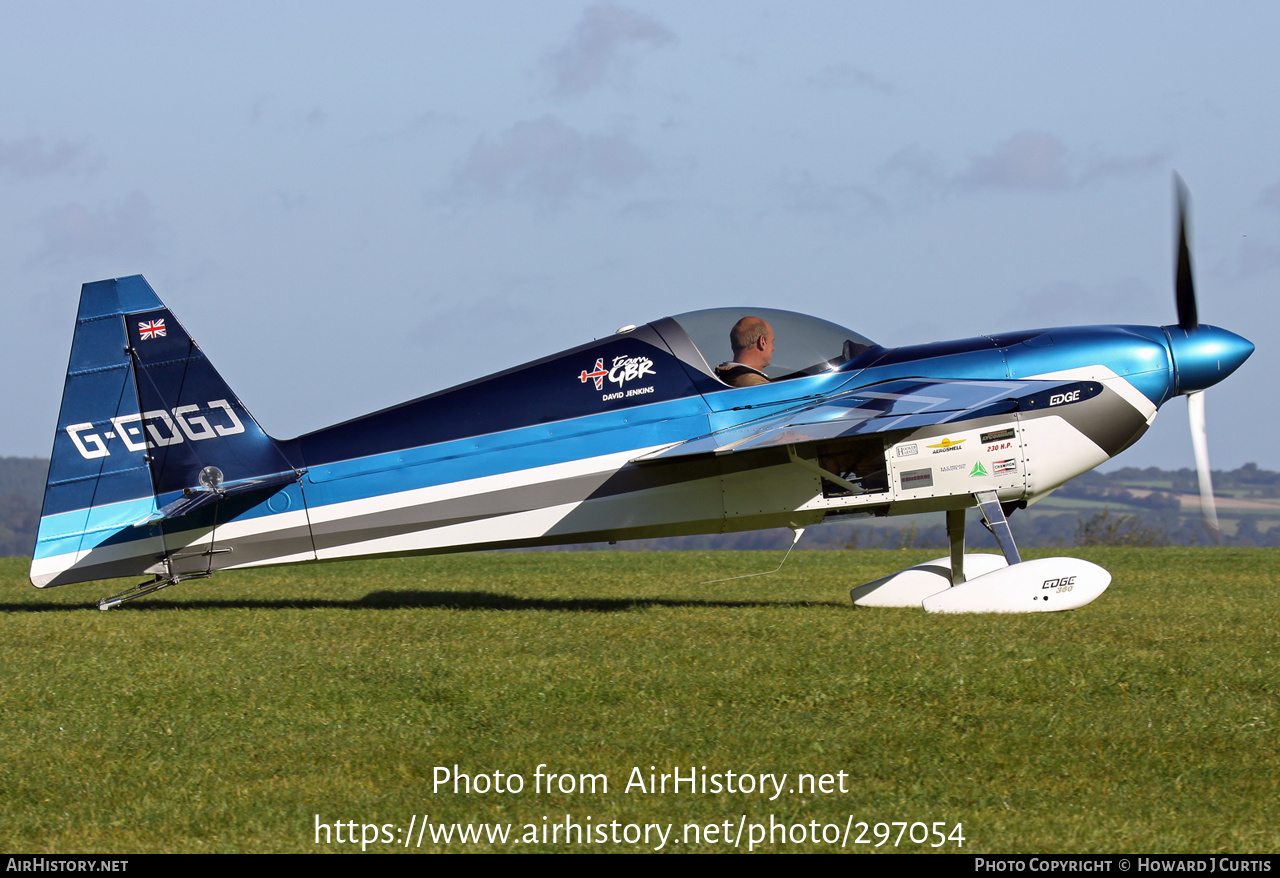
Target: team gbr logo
(158, 428)
(624, 369)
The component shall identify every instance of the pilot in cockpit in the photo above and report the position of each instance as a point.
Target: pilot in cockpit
(752, 341)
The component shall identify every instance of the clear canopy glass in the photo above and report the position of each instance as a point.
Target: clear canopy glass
(803, 345)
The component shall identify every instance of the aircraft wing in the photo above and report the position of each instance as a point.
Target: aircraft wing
(901, 404)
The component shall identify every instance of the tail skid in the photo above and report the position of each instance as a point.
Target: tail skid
(150, 443)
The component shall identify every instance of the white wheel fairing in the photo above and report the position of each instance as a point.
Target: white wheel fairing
(1045, 585)
(909, 588)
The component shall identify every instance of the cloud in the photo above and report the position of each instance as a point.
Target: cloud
(602, 48)
(269, 110)
(1253, 259)
(915, 163)
(1270, 196)
(31, 158)
(805, 195)
(547, 161)
(258, 109)
(1120, 166)
(649, 208)
(846, 76)
(1122, 300)
(72, 232)
(1026, 161)
(423, 123)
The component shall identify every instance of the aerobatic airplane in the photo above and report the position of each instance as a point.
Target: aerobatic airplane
(158, 469)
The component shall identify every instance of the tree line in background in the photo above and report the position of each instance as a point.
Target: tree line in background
(21, 490)
(1141, 508)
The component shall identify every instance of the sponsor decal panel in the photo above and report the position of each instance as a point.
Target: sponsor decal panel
(907, 450)
(917, 478)
(947, 445)
(954, 467)
(1000, 467)
(978, 471)
(997, 435)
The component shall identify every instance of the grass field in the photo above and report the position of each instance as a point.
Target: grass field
(232, 714)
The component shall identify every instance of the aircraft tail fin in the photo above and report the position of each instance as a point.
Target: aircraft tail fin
(146, 420)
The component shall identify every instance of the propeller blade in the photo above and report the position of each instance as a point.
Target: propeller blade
(1195, 410)
(1184, 283)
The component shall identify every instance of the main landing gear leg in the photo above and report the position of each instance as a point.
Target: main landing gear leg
(993, 518)
(910, 587)
(955, 532)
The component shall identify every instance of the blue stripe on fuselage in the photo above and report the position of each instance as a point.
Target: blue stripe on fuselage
(509, 451)
(84, 529)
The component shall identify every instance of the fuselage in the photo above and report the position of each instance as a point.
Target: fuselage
(570, 449)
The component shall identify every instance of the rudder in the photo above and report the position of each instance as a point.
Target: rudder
(147, 426)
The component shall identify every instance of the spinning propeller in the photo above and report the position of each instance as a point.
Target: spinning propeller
(1195, 347)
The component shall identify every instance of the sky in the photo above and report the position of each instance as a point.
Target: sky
(350, 206)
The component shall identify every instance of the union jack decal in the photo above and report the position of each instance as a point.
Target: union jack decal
(597, 375)
(151, 329)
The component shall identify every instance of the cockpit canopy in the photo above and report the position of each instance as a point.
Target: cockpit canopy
(803, 345)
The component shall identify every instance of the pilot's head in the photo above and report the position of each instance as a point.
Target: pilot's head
(752, 341)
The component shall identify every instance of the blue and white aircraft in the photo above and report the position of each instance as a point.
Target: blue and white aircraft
(158, 469)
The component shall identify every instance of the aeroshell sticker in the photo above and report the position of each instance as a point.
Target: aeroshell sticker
(916, 478)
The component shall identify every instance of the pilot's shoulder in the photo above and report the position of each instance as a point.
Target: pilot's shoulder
(738, 375)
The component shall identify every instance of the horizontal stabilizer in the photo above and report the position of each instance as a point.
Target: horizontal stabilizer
(197, 498)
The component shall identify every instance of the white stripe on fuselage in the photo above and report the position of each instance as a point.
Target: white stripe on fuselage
(526, 524)
(481, 485)
(531, 523)
(521, 524)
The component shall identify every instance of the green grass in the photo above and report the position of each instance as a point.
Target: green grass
(225, 715)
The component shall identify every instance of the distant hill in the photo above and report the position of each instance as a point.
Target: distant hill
(1149, 507)
(24, 476)
(21, 492)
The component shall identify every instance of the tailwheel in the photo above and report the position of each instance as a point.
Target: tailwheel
(143, 589)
